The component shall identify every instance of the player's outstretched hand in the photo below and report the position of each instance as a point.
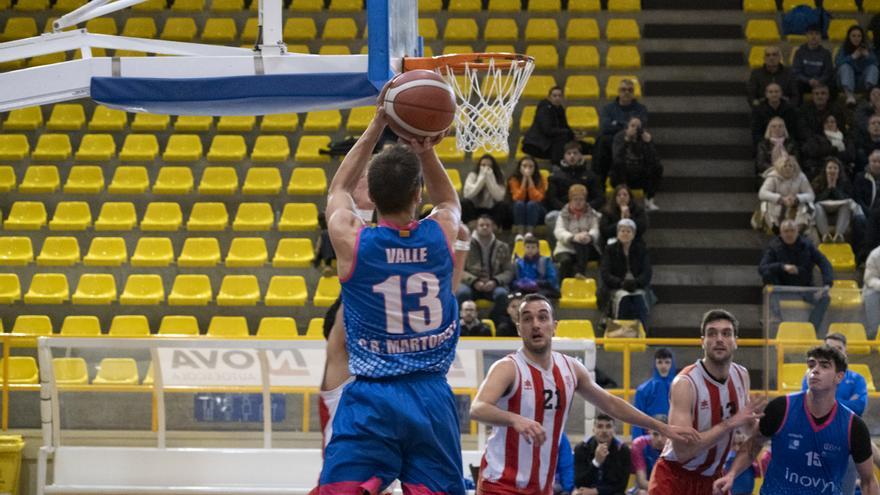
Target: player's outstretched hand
(753, 410)
(531, 430)
(722, 485)
(684, 434)
(421, 145)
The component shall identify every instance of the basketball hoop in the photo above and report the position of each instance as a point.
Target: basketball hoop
(487, 87)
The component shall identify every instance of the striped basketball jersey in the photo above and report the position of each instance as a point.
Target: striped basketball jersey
(713, 403)
(543, 396)
(400, 313)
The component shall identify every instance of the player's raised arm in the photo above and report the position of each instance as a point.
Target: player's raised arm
(447, 207)
(462, 245)
(484, 409)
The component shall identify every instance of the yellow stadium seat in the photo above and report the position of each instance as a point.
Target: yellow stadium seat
(24, 119)
(66, 117)
(281, 122)
(116, 216)
(840, 255)
(461, 29)
(299, 217)
(14, 147)
(853, 332)
(307, 5)
(579, 87)
(226, 148)
(527, 117)
(143, 289)
(129, 180)
(150, 122)
(140, 27)
(583, 5)
(315, 329)
(17, 251)
(538, 87)
(762, 31)
(291, 253)
(40, 179)
(624, 5)
(26, 215)
(272, 327)
(845, 294)
(504, 5)
(623, 57)
(190, 290)
(249, 33)
(334, 50)
(95, 289)
(544, 6)
(300, 29)
(307, 150)
(32, 324)
(465, 5)
(462, 48)
(101, 25)
(501, 30)
(208, 217)
(323, 120)
(578, 293)
(794, 331)
(84, 179)
(52, 147)
(179, 325)
(787, 5)
(546, 56)
(71, 215)
(193, 123)
(117, 371)
(236, 123)
(793, 376)
(427, 28)
(107, 119)
(871, 6)
(173, 180)
(262, 180)
(622, 30)
(227, 5)
(179, 29)
(70, 371)
(612, 347)
(18, 28)
(47, 288)
(48, 59)
(7, 178)
(22, 370)
(327, 291)
(286, 290)
(575, 329)
(59, 251)
(583, 118)
(151, 251)
(339, 28)
(247, 252)
(150, 6)
(218, 180)
(228, 326)
(139, 148)
(270, 149)
(582, 29)
(614, 82)
(239, 290)
(491, 324)
(162, 216)
(10, 288)
(307, 180)
(838, 27)
(106, 251)
(199, 251)
(448, 152)
(97, 147)
(183, 148)
(543, 248)
(756, 56)
(542, 29)
(254, 217)
(865, 371)
(759, 6)
(188, 6)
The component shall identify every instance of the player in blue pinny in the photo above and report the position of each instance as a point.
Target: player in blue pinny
(398, 419)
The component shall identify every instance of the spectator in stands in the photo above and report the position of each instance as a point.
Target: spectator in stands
(550, 131)
(744, 484)
(564, 480)
(871, 296)
(812, 113)
(625, 272)
(488, 270)
(772, 72)
(789, 261)
(812, 66)
(622, 205)
(483, 192)
(505, 324)
(866, 187)
(772, 106)
(776, 143)
(833, 199)
(856, 64)
(535, 273)
(865, 111)
(614, 117)
(635, 161)
(867, 144)
(652, 396)
(571, 170)
(470, 323)
(832, 142)
(577, 234)
(602, 463)
(527, 190)
(786, 194)
(644, 452)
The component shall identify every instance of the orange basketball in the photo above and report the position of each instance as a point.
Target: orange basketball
(419, 104)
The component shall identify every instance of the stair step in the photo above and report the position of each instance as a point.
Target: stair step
(692, 4)
(698, 201)
(707, 294)
(683, 320)
(732, 103)
(708, 168)
(714, 275)
(698, 220)
(707, 256)
(700, 119)
(693, 58)
(719, 136)
(694, 88)
(705, 151)
(709, 184)
(692, 31)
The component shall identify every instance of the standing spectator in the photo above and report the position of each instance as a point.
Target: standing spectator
(635, 161)
(812, 66)
(832, 142)
(614, 117)
(577, 234)
(856, 64)
(812, 113)
(772, 72)
(621, 206)
(776, 143)
(602, 463)
(571, 170)
(868, 143)
(744, 484)
(644, 453)
(772, 106)
(871, 295)
(527, 190)
(652, 396)
(483, 192)
(550, 130)
(626, 276)
(535, 273)
(786, 194)
(789, 261)
(470, 323)
(564, 480)
(488, 270)
(505, 324)
(833, 198)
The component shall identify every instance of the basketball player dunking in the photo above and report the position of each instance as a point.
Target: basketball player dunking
(712, 395)
(527, 395)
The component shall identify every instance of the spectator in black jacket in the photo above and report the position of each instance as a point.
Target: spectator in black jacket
(772, 72)
(621, 206)
(613, 119)
(865, 111)
(772, 106)
(789, 261)
(573, 169)
(550, 131)
(625, 272)
(813, 113)
(812, 62)
(867, 144)
(505, 324)
(602, 463)
(470, 323)
(866, 192)
(635, 161)
(832, 142)
(833, 199)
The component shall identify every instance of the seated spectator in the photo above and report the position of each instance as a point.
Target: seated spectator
(871, 295)
(613, 119)
(577, 234)
(488, 270)
(786, 194)
(856, 64)
(505, 324)
(812, 114)
(550, 131)
(470, 323)
(772, 72)
(867, 144)
(622, 205)
(744, 484)
(625, 272)
(776, 143)
(563, 483)
(652, 396)
(812, 66)
(483, 192)
(602, 463)
(789, 261)
(644, 452)
(866, 186)
(635, 161)
(772, 106)
(535, 273)
(527, 190)
(833, 199)
(573, 169)
(832, 142)
(865, 111)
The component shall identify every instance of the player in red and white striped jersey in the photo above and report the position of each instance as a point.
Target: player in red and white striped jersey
(712, 395)
(526, 397)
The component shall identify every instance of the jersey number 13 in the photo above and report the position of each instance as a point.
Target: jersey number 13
(429, 312)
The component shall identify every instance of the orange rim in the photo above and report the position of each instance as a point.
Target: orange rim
(458, 61)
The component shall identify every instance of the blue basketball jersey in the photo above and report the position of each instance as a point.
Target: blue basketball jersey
(807, 458)
(401, 315)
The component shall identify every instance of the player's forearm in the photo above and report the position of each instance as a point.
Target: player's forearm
(872, 487)
(491, 414)
(440, 190)
(356, 160)
(684, 451)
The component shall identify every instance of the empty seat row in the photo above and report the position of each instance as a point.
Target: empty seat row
(74, 371)
(583, 118)
(793, 376)
(767, 31)
(148, 289)
(804, 331)
(833, 6)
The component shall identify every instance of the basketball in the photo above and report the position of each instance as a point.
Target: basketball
(419, 103)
